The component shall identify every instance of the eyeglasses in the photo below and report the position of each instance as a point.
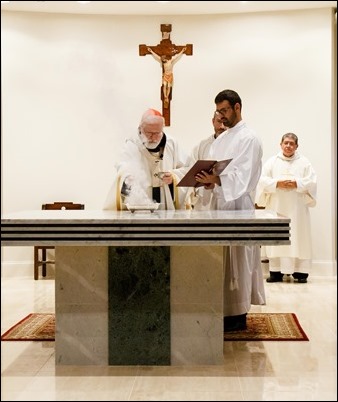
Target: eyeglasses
(152, 134)
(223, 111)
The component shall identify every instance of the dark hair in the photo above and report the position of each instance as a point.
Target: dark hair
(291, 135)
(229, 95)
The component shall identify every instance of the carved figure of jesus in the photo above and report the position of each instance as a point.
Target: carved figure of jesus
(167, 63)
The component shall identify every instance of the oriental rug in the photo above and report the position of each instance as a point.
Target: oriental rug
(260, 327)
(269, 327)
(34, 327)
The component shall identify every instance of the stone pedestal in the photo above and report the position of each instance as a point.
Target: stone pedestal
(196, 301)
(139, 305)
(81, 305)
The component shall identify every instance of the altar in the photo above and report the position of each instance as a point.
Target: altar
(140, 288)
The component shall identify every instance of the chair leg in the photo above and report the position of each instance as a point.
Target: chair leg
(44, 265)
(36, 263)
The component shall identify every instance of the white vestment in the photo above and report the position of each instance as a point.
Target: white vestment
(140, 170)
(292, 203)
(243, 277)
(198, 197)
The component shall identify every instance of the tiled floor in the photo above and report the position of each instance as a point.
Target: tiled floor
(252, 371)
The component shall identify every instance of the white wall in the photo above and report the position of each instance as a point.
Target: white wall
(74, 86)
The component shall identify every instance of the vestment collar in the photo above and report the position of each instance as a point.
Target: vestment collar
(286, 158)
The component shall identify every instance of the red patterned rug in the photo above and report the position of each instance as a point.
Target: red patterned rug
(261, 327)
(34, 327)
(269, 327)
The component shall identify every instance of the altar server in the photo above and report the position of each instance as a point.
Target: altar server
(234, 189)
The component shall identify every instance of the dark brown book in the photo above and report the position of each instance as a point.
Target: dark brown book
(208, 166)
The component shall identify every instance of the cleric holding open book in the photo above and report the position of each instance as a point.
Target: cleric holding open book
(234, 189)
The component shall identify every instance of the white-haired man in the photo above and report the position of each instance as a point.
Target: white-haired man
(148, 169)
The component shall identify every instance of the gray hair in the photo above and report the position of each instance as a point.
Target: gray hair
(290, 135)
(151, 116)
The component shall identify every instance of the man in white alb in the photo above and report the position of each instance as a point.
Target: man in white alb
(234, 189)
(288, 185)
(201, 151)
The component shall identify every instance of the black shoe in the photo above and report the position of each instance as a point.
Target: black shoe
(300, 277)
(275, 277)
(234, 323)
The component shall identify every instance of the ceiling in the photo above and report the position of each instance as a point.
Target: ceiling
(161, 8)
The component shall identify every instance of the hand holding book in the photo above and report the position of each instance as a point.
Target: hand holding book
(209, 167)
(207, 179)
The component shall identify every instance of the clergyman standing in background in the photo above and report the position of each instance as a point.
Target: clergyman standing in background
(199, 200)
(288, 185)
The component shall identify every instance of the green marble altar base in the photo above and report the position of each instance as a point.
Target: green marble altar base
(139, 305)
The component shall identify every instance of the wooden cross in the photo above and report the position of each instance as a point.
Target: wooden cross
(167, 54)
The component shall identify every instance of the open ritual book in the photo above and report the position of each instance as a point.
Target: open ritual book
(208, 166)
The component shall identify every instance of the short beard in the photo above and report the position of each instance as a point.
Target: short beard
(147, 144)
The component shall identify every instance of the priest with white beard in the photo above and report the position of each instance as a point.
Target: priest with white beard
(149, 168)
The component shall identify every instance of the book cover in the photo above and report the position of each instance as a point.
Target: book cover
(208, 166)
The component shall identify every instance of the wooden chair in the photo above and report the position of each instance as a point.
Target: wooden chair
(40, 252)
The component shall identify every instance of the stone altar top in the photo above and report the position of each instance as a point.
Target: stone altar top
(91, 227)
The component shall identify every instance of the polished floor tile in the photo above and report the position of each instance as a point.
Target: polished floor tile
(251, 371)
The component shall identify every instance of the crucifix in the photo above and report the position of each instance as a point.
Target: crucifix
(167, 54)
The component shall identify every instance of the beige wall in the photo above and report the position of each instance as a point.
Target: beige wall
(74, 86)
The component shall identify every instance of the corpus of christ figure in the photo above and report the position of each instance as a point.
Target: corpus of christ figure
(167, 54)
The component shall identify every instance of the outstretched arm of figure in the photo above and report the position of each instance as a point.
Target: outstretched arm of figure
(178, 55)
(155, 55)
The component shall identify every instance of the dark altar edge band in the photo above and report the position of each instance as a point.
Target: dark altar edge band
(159, 228)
